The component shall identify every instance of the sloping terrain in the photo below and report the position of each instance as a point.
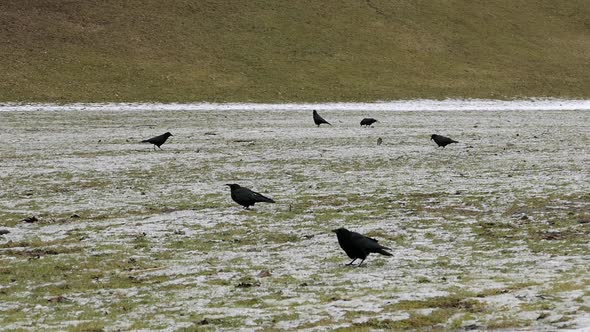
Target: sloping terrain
(305, 50)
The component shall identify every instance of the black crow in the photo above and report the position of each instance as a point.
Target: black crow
(368, 122)
(318, 120)
(442, 140)
(158, 140)
(246, 197)
(358, 246)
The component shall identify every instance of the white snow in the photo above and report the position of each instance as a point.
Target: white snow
(438, 209)
(532, 104)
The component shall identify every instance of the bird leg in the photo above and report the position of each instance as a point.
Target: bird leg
(351, 262)
(361, 263)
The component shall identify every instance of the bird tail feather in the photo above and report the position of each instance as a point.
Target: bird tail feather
(264, 199)
(383, 252)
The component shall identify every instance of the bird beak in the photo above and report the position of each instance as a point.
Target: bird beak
(227, 184)
(335, 230)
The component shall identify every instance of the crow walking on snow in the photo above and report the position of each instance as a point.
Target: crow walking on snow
(246, 197)
(318, 120)
(368, 122)
(358, 246)
(442, 140)
(158, 140)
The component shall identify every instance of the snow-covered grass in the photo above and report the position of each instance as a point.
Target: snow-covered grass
(488, 233)
(531, 104)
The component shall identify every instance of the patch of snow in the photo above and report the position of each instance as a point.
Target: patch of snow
(430, 205)
(533, 104)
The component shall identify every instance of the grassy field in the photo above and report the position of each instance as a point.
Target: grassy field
(490, 233)
(305, 50)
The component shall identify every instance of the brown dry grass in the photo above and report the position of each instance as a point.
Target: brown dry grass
(74, 50)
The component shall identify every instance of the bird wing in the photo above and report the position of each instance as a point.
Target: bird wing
(372, 239)
(319, 118)
(447, 140)
(360, 237)
(154, 140)
(369, 243)
(263, 198)
(259, 197)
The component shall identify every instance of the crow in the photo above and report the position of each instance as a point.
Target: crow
(246, 197)
(318, 120)
(358, 246)
(158, 140)
(442, 140)
(368, 122)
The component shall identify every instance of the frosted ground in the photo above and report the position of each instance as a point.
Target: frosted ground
(491, 233)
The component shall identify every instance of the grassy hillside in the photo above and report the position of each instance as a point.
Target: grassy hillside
(292, 50)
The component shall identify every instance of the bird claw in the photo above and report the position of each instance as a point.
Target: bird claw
(350, 264)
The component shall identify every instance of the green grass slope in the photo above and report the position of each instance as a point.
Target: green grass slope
(292, 50)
